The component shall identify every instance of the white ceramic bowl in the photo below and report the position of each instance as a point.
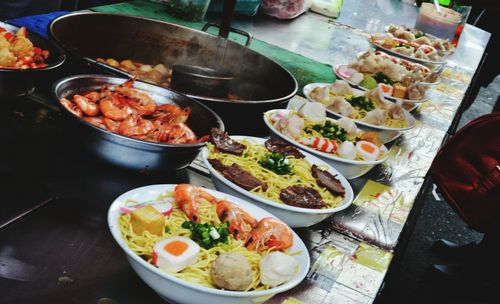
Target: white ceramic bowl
(391, 98)
(183, 292)
(293, 216)
(404, 62)
(379, 46)
(386, 134)
(348, 168)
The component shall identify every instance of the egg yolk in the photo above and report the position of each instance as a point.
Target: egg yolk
(176, 247)
(368, 148)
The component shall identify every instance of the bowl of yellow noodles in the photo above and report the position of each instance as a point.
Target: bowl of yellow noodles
(194, 283)
(270, 199)
(336, 104)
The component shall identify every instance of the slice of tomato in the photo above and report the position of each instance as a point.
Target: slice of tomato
(154, 258)
(27, 60)
(8, 36)
(2, 29)
(37, 50)
(273, 243)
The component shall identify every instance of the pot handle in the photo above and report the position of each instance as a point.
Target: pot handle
(231, 29)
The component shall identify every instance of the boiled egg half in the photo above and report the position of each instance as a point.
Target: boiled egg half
(173, 254)
(367, 150)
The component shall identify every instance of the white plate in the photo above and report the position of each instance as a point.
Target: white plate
(293, 216)
(430, 36)
(394, 99)
(387, 134)
(348, 168)
(181, 291)
(399, 60)
(411, 58)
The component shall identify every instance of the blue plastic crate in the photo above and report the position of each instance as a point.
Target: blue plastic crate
(38, 23)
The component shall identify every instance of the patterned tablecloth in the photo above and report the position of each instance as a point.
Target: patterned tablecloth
(351, 251)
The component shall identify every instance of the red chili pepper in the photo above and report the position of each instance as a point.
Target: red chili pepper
(167, 213)
(155, 258)
(273, 243)
(27, 60)
(8, 36)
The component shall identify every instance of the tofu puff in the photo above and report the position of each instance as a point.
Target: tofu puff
(161, 239)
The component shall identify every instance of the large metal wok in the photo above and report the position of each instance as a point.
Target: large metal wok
(259, 82)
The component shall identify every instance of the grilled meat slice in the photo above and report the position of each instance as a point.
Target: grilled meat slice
(224, 143)
(326, 180)
(305, 197)
(282, 147)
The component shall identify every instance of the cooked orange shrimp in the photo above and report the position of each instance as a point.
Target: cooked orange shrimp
(240, 221)
(269, 233)
(93, 96)
(179, 133)
(88, 107)
(187, 197)
(112, 107)
(141, 102)
(73, 108)
(112, 125)
(158, 134)
(166, 113)
(97, 121)
(135, 125)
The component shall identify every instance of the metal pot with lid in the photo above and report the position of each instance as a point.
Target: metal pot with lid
(258, 83)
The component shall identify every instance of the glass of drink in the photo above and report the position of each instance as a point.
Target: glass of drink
(465, 11)
(440, 24)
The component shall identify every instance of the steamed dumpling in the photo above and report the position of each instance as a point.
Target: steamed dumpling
(396, 110)
(375, 117)
(322, 95)
(341, 106)
(348, 125)
(404, 50)
(341, 88)
(277, 268)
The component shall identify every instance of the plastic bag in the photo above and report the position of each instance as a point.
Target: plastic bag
(285, 9)
(330, 8)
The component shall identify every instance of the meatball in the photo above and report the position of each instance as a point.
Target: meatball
(231, 271)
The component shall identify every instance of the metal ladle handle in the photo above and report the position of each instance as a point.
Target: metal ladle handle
(227, 17)
(231, 29)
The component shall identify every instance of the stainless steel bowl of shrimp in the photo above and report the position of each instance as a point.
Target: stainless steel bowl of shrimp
(134, 124)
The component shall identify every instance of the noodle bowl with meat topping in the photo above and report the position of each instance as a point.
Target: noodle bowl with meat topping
(271, 199)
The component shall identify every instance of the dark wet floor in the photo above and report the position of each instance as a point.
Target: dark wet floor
(413, 282)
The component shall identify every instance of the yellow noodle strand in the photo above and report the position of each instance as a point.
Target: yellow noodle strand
(198, 273)
(249, 162)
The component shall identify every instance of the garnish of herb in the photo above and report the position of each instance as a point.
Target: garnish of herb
(361, 102)
(329, 130)
(382, 78)
(276, 162)
(403, 45)
(419, 34)
(207, 235)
